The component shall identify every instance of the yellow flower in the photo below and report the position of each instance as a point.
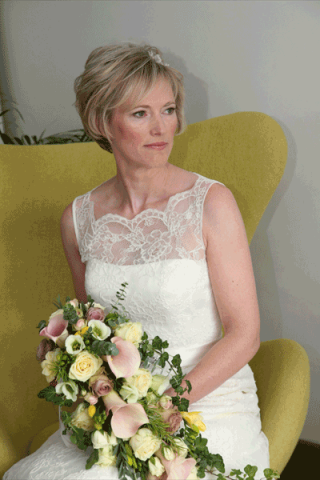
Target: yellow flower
(82, 331)
(91, 410)
(193, 418)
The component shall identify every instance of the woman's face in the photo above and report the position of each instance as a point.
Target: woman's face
(135, 126)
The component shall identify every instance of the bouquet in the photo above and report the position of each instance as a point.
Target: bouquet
(104, 364)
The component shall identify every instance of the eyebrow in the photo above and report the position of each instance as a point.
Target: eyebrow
(148, 106)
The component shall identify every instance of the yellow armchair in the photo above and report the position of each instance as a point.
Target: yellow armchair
(246, 151)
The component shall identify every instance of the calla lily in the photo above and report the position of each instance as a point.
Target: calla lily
(177, 469)
(128, 360)
(126, 418)
(56, 330)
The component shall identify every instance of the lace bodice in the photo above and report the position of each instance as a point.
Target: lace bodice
(161, 254)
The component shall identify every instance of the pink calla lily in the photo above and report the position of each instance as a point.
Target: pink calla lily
(127, 418)
(128, 360)
(177, 469)
(56, 330)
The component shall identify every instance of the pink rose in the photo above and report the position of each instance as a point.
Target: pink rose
(92, 399)
(95, 313)
(173, 417)
(80, 324)
(100, 383)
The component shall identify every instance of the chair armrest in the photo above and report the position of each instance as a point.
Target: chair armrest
(8, 454)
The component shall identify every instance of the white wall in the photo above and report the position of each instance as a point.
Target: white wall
(236, 56)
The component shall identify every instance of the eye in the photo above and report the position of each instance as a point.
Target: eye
(172, 110)
(136, 114)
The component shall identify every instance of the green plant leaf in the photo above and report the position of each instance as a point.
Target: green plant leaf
(94, 457)
(6, 139)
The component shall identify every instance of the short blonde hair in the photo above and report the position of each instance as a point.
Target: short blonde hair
(112, 73)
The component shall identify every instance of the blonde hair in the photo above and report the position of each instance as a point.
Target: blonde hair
(112, 73)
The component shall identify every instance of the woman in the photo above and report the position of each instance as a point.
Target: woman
(179, 241)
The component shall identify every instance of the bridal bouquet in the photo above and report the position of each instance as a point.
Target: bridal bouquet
(104, 363)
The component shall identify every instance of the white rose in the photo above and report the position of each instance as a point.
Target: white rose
(144, 444)
(101, 440)
(193, 474)
(160, 384)
(74, 302)
(85, 366)
(151, 398)
(129, 393)
(69, 389)
(182, 447)
(106, 457)
(47, 365)
(130, 331)
(81, 418)
(74, 344)
(142, 380)
(168, 454)
(155, 467)
(100, 330)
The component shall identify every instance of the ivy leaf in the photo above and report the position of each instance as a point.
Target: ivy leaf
(94, 457)
(49, 394)
(250, 470)
(176, 361)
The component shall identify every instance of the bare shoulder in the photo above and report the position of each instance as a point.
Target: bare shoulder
(221, 214)
(67, 226)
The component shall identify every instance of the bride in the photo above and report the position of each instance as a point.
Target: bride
(179, 241)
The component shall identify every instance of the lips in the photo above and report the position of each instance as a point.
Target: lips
(159, 144)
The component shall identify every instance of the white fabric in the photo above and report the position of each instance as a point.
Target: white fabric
(161, 255)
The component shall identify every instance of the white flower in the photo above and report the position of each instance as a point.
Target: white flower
(85, 366)
(182, 447)
(155, 467)
(74, 303)
(70, 389)
(101, 440)
(74, 344)
(100, 330)
(160, 384)
(142, 380)
(95, 305)
(144, 444)
(81, 418)
(47, 365)
(129, 393)
(106, 457)
(57, 312)
(130, 331)
(168, 453)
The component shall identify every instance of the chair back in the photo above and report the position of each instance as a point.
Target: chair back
(282, 373)
(246, 151)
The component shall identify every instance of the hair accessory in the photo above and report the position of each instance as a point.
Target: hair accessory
(156, 57)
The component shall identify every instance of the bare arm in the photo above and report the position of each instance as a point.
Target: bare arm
(232, 280)
(71, 250)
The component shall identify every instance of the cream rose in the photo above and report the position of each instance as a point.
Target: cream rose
(129, 393)
(130, 331)
(142, 380)
(48, 365)
(85, 366)
(101, 440)
(81, 418)
(155, 467)
(182, 447)
(106, 457)
(144, 444)
(160, 383)
(168, 454)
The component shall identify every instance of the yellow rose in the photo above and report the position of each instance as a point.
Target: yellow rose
(144, 444)
(81, 418)
(193, 418)
(130, 331)
(142, 380)
(47, 365)
(85, 366)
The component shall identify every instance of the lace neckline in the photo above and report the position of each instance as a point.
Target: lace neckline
(163, 212)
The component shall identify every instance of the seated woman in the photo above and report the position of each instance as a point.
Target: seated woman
(179, 241)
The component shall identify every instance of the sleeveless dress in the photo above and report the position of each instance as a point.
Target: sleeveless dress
(161, 255)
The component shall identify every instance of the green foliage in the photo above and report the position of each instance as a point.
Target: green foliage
(41, 325)
(101, 347)
(94, 457)
(70, 314)
(49, 394)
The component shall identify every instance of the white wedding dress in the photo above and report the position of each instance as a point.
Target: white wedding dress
(161, 255)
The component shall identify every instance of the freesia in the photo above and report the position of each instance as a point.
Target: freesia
(56, 330)
(193, 418)
(127, 362)
(126, 418)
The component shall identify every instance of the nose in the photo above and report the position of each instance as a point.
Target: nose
(157, 125)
